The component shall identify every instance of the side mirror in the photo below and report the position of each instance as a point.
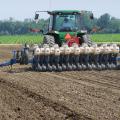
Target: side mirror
(36, 16)
(91, 16)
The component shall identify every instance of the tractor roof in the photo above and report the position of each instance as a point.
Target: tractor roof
(65, 11)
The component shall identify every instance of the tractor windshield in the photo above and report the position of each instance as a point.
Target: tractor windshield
(66, 22)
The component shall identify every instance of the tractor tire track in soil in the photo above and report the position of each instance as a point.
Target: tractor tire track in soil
(77, 95)
(95, 78)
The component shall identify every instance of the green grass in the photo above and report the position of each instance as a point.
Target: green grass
(108, 38)
(21, 39)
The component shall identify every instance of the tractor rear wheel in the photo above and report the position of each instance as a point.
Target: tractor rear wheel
(87, 40)
(49, 39)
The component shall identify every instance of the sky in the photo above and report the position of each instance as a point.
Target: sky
(21, 9)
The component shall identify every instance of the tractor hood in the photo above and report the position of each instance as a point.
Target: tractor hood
(62, 35)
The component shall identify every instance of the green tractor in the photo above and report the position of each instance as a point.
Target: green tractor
(64, 27)
(67, 47)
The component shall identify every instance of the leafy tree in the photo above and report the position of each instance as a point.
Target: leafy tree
(104, 21)
(114, 26)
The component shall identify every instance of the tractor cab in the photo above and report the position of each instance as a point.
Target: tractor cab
(64, 21)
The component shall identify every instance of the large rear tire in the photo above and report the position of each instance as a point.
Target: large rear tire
(87, 40)
(49, 39)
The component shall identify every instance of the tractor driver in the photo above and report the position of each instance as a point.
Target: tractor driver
(67, 25)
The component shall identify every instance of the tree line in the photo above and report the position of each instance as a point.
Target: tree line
(104, 24)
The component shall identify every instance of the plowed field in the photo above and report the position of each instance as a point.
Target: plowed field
(83, 95)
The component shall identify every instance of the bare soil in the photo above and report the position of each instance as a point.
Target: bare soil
(77, 95)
